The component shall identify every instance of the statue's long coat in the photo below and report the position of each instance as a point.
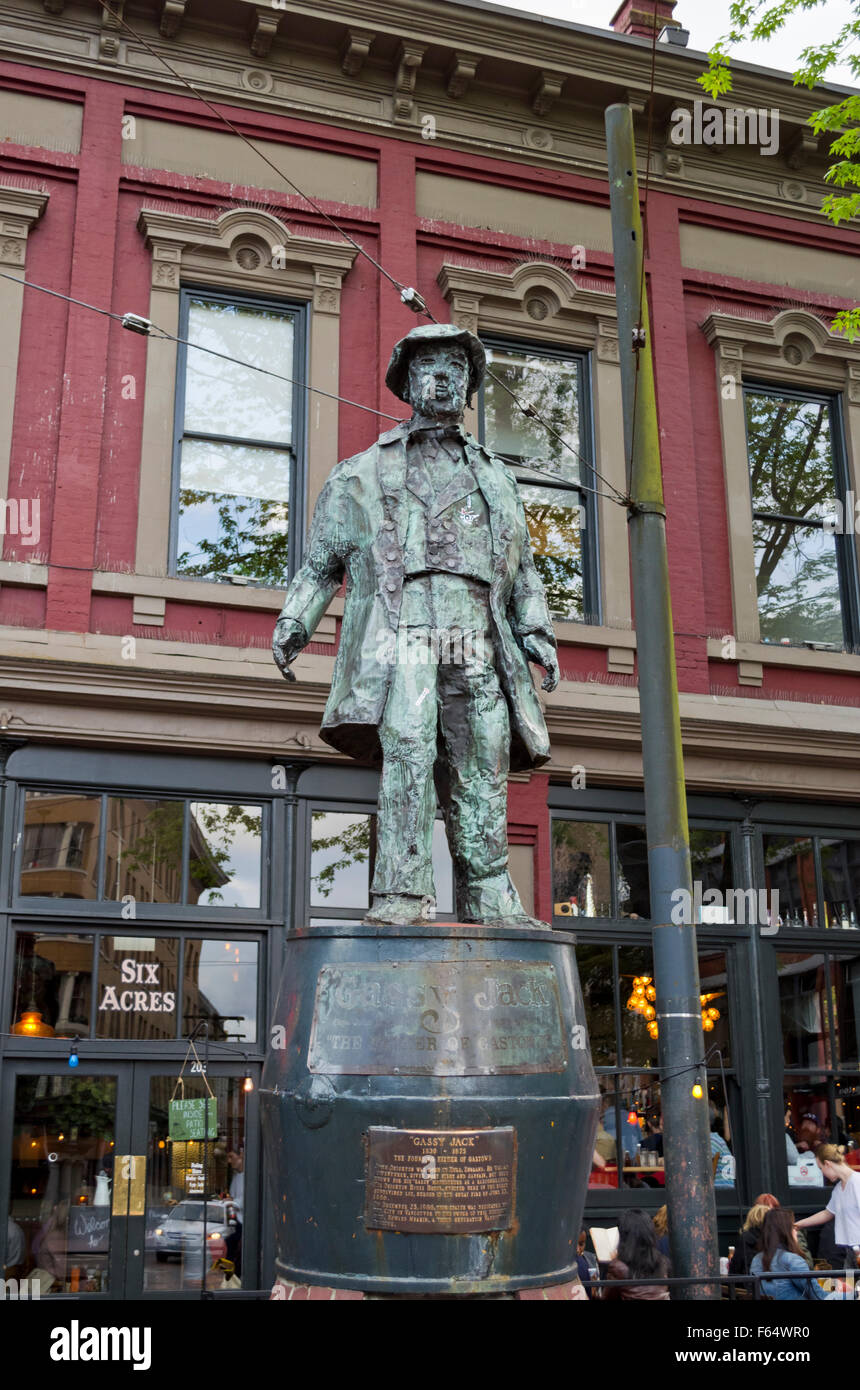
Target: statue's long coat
(358, 530)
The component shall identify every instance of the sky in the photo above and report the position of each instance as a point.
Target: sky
(707, 20)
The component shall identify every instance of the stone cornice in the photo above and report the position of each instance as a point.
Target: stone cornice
(520, 61)
(174, 698)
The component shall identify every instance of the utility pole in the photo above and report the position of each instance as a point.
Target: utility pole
(686, 1129)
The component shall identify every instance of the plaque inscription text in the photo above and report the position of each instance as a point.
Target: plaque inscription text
(450, 1181)
(437, 1018)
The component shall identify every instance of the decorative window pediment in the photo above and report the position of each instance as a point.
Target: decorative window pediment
(537, 300)
(246, 248)
(795, 345)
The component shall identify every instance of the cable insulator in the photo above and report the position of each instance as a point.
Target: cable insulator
(136, 324)
(414, 300)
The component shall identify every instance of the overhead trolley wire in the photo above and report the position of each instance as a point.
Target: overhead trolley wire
(136, 324)
(408, 294)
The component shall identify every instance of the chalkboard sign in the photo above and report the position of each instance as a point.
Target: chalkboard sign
(188, 1119)
(89, 1229)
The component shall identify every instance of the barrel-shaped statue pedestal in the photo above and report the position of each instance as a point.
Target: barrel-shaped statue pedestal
(429, 1109)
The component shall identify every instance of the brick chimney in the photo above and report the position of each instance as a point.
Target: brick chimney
(639, 17)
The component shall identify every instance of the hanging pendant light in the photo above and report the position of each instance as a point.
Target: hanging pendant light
(30, 1025)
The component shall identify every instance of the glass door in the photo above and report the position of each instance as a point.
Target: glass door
(67, 1126)
(190, 1226)
(112, 1193)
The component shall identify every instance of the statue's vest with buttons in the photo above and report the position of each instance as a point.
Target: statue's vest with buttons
(369, 528)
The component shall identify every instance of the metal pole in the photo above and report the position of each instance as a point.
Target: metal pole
(768, 1169)
(205, 1148)
(686, 1137)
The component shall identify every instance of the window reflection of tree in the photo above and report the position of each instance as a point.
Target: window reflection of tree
(349, 844)
(214, 829)
(793, 485)
(554, 517)
(241, 526)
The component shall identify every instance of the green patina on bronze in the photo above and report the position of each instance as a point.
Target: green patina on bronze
(444, 610)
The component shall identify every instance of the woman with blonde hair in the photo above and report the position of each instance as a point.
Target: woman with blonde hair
(661, 1226)
(750, 1237)
(844, 1204)
(779, 1255)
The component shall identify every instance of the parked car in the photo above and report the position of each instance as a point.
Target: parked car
(182, 1230)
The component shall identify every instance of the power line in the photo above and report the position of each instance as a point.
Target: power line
(408, 295)
(135, 323)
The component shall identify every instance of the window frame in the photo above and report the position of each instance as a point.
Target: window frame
(846, 560)
(586, 492)
(311, 804)
(96, 931)
(100, 907)
(297, 450)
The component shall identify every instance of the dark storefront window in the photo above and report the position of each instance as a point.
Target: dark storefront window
(619, 995)
(146, 988)
(143, 853)
(138, 987)
(819, 996)
(221, 986)
(63, 1142)
(600, 869)
(816, 878)
(60, 844)
(52, 985)
(224, 854)
(581, 869)
(343, 856)
(180, 1174)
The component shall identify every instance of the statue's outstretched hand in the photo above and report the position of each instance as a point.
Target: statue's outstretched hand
(543, 653)
(288, 640)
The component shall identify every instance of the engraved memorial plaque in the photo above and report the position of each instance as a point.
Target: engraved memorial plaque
(450, 1181)
(437, 1018)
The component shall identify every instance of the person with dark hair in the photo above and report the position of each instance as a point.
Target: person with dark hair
(637, 1257)
(751, 1233)
(721, 1154)
(780, 1252)
(586, 1264)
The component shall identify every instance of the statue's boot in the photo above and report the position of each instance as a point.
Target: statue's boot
(495, 902)
(400, 910)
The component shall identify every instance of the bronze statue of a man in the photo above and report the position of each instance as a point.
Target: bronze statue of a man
(444, 610)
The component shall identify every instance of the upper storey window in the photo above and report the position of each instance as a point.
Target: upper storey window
(548, 464)
(236, 440)
(806, 573)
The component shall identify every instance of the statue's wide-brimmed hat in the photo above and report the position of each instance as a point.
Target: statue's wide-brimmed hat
(396, 378)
